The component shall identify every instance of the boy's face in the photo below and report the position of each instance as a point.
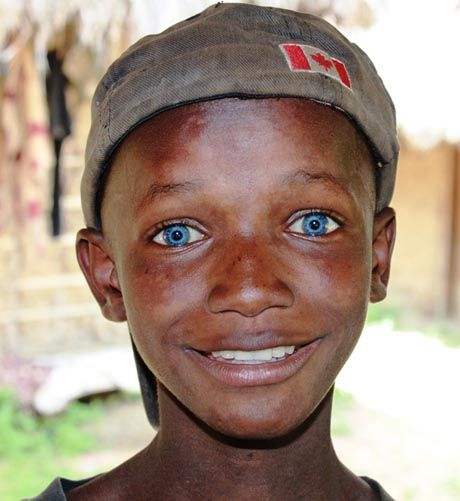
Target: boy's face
(242, 225)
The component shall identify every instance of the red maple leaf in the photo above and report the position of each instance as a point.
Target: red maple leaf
(322, 61)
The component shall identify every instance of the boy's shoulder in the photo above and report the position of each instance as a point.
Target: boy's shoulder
(378, 489)
(56, 490)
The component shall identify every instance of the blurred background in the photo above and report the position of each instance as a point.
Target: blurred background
(69, 402)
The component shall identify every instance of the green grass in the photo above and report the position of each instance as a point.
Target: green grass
(453, 486)
(447, 331)
(34, 450)
(342, 404)
(383, 312)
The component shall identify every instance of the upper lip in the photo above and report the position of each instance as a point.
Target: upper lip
(254, 340)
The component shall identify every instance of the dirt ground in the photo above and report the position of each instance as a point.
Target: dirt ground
(411, 465)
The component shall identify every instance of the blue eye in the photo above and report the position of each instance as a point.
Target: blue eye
(314, 224)
(177, 235)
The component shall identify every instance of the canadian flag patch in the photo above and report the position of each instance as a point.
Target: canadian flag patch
(308, 58)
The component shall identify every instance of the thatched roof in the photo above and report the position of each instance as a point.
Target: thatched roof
(413, 44)
(99, 17)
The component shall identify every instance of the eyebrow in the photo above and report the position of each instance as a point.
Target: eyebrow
(155, 190)
(305, 177)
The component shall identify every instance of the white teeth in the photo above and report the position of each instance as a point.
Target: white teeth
(263, 354)
(279, 351)
(256, 356)
(228, 355)
(243, 355)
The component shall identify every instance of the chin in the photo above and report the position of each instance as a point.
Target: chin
(278, 420)
(257, 425)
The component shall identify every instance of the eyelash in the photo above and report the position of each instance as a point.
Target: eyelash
(168, 237)
(162, 232)
(329, 223)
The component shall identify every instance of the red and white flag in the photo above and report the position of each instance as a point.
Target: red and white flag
(308, 58)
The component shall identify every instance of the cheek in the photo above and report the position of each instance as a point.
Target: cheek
(344, 307)
(158, 298)
(149, 286)
(334, 287)
(347, 277)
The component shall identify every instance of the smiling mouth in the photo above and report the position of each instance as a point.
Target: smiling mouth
(246, 368)
(254, 357)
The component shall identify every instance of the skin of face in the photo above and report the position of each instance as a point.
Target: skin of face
(242, 174)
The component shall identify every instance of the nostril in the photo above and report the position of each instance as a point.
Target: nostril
(249, 299)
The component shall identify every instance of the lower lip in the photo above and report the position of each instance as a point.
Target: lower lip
(243, 375)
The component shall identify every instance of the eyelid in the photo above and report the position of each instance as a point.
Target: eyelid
(155, 229)
(163, 225)
(328, 213)
(305, 212)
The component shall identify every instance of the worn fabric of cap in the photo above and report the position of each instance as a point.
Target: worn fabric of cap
(238, 50)
(232, 50)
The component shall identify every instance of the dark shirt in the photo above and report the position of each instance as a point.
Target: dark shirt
(57, 489)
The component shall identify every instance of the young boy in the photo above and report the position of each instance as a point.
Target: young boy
(238, 174)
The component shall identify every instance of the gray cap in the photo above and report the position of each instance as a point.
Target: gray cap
(232, 50)
(236, 50)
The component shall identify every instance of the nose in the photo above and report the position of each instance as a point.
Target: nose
(246, 282)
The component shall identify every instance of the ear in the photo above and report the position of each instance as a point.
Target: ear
(382, 250)
(100, 272)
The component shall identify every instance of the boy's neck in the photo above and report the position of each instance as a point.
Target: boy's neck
(200, 464)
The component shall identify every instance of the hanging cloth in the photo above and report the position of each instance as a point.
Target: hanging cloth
(60, 128)
(25, 154)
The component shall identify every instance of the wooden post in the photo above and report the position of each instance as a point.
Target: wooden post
(453, 279)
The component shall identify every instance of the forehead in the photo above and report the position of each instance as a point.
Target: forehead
(240, 142)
